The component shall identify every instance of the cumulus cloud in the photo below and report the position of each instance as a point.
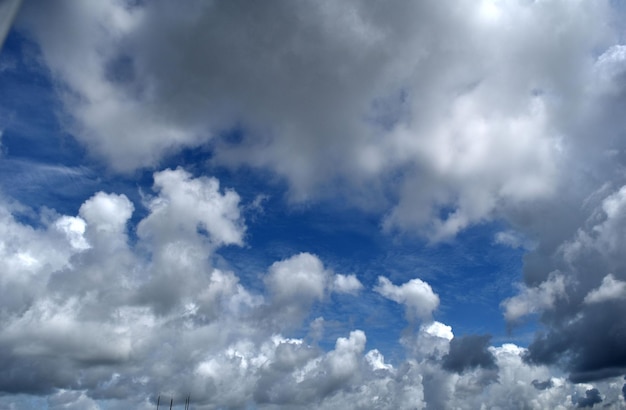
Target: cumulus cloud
(459, 109)
(87, 307)
(80, 333)
(609, 289)
(189, 205)
(299, 281)
(437, 118)
(536, 299)
(440, 330)
(416, 295)
(579, 305)
(299, 278)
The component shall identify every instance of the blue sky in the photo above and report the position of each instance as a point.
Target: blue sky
(305, 205)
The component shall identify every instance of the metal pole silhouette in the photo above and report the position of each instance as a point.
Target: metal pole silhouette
(171, 402)
(158, 400)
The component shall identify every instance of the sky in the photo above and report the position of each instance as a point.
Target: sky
(313, 204)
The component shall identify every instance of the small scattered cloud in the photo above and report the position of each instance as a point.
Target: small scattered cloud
(609, 289)
(416, 295)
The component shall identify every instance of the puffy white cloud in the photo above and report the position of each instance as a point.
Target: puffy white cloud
(296, 283)
(439, 329)
(299, 279)
(535, 299)
(85, 336)
(377, 360)
(344, 360)
(417, 296)
(186, 205)
(609, 289)
(81, 344)
(107, 213)
(346, 283)
(74, 230)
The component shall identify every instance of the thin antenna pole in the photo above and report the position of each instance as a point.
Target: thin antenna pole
(171, 402)
(158, 400)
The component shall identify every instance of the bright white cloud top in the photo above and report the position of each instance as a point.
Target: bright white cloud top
(313, 204)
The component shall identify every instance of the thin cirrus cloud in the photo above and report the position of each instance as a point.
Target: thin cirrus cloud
(436, 118)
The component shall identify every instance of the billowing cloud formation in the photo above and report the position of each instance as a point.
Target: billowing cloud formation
(580, 302)
(533, 300)
(436, 117)
(468, 105)
(89, 317)
(609, 289)
(296, 283)
(417, 296)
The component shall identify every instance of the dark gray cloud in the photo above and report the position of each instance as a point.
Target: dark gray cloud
(592, 397)
(548, 384)
(469, 352)
(584, 331)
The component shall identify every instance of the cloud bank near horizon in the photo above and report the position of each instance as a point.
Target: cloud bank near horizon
(91, 316)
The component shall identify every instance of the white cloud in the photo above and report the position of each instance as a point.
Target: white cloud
(513, 240)
(417, 296)
(439, 329)
(461, 109)
(535, 299)
(185, 205)
(297, 282)
(74, 230)
(107, 213)
(346, 284)
(215, 341)
(377, 360)
(301, 278)
(609, 289)
(344, 360)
